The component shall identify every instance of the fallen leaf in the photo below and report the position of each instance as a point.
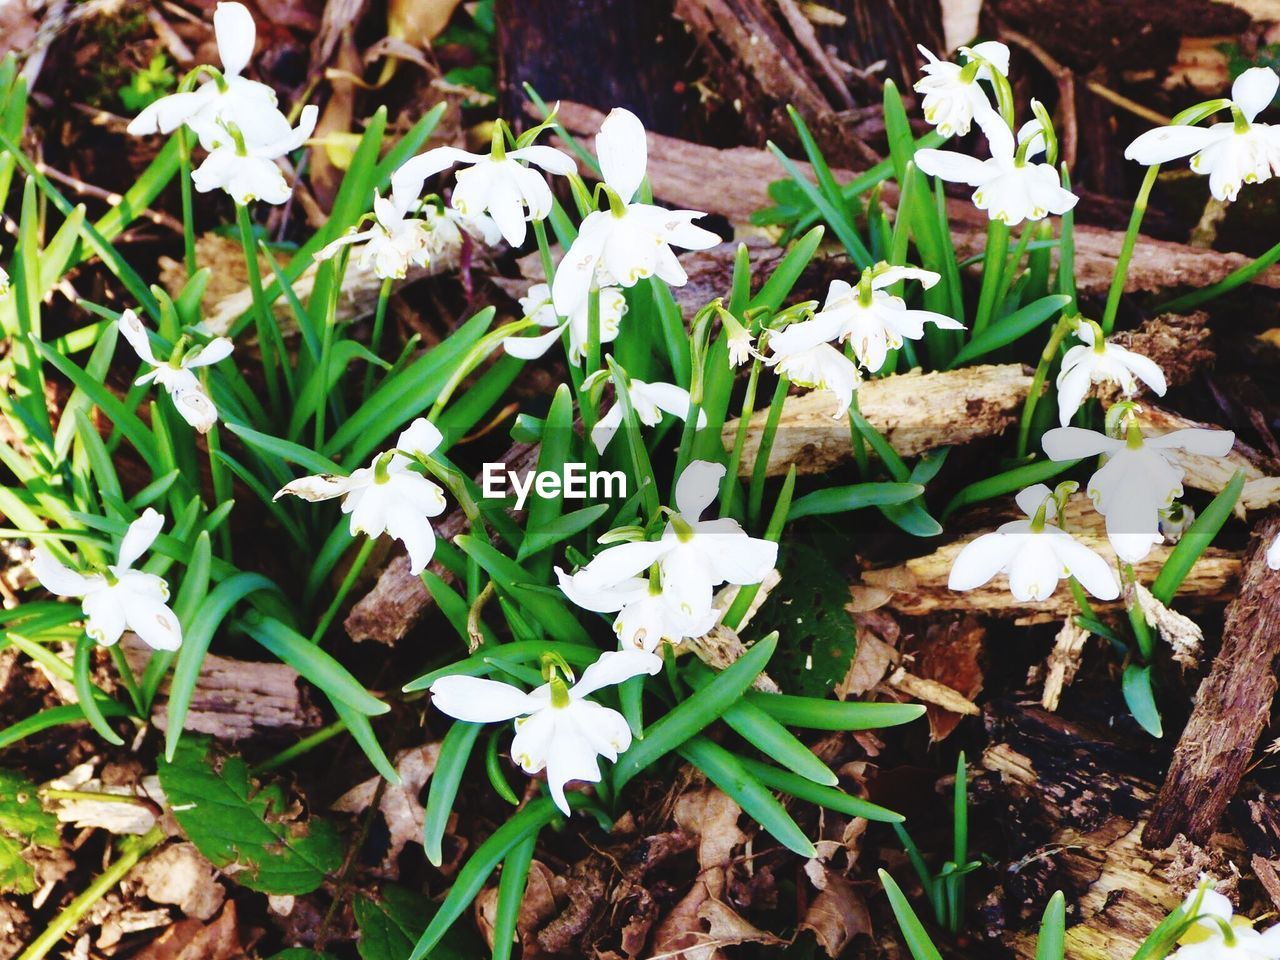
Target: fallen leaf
(837, 914)
(400, 806)
(179, 875)
(948, 656)
(418, 22)
(192, 940)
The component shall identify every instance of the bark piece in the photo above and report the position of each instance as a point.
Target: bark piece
(1232, 706)
(915, 411)
(919, 586)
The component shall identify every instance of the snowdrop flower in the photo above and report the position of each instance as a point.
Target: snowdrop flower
(873, 320)
(647, 615)
(394, 242)
(537, 306)
(1232, 154)
(1097, 361)
(952, 94)
(693, 556)
(1139, 477)
(1035, 553)
(820, 367)
(118, 598)
(174, 374)
(242, 163)
(648, 400)
(387, 496)
(227, 96)
(1009, 186)
(447, 228)
(557, 728)
(1219, 934)
(500, 183)
(629, 241)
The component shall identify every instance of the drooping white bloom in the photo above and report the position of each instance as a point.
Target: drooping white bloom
(1233, 153)
(1221, 935)
(647, 614)
(537, 306)
(952, 96)
(629, 241)
(1097, 361)
(1139, 478)
(820, 367)
(1035, 553)
(501, 183)
(693, 556)
(242, 160)
(873, 320)
(557, 728)
(232, 98)
(447, 228)
(1010, 187)
(395, 242)
(387, 496)
(649, 401)
(174, 374)
(118, 598)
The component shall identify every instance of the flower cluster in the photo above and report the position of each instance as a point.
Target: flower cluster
(175, 374)
(1218, 933)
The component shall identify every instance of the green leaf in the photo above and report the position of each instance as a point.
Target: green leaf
(550, 611)
(1051, 944)
(1010, 328)
(236, 822)
(918, 941)
(1007, 482)
(785, 275)
(23, 823)
(88, 695)
(390, 924)
(824, 796)
(853, 497)
(1140, 697)
(1195, 540)
(455, 751)
(815, 714)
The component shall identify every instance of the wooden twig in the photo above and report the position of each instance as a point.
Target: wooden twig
(1232, 706)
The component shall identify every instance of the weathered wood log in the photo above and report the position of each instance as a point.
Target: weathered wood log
(919, 586)
(398, 600)
(1232, 707)
(1083, 798)
(915, 411)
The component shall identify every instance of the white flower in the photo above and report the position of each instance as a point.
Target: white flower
(647, 615)
(821, 367)
(873, 320)
(242, 163)
(648, 400)
(537, 306)
(1035, 554)
(1138, 479)
(1207, 938)
(557, 728)
(394, 242)
(387, 496)
(1009, 187)
(694, 556)
(446, 229)
(174, 374)
(1096, 361)
(236, 99)
(119, 598)
(629, 241)
(1273, 554)
(1232, 153)
(499, 183)
(952, 94)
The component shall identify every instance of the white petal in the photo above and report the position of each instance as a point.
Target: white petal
(981, 560)
(1073, 443)
(322, 486)
(214, 351)
(623, 151)
(606, 428)
(674, 400)
(532, 742)
(620, 563)
(1093, 572)
(1147, 370)
(613, 668)
(531, 348)
(994, 52)
(195, 407)
(733, 556)
(477, 700)
(548, 158)
(407, 181)
(1073, 383)
(687, 580)
(1254, 90)
(139, 537)
(1030, 498)
(169, 113)
(605, 729)
(1168, 143)
(234, 28)
(569, 757)
(952, 166)
(105, 618)
(59, 579)
(135, 333)
(154, 622)
(1273, 554)
(698, 487)
(577, 269)
(1208, 443)
(422, 437)
(608, 598)
(1034, 571)
(891, 276)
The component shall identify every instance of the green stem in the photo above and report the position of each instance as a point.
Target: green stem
(1010, 272)
(349, 581)
(268, 332)
(1126, 249)
(755, 495)
(1137, 619)
(1047, 356)
(132, 849)
(1228, 283)
(855, 437)
(303, 746)
(129, 680)
(729, 486)
(992, 273)
(222, 486)
(188, 207)
(375, 341)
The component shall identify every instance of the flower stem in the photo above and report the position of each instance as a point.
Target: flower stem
(375, 341)
(992, 272)
(268, 332)
(129, 680)
(729, 486)
(188, 207)
(1047, 356)
(303, 746)
(1137, 619)
(222, 487)
(349, 581)
(755, 495)
(1126, 249)
(132, 849)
